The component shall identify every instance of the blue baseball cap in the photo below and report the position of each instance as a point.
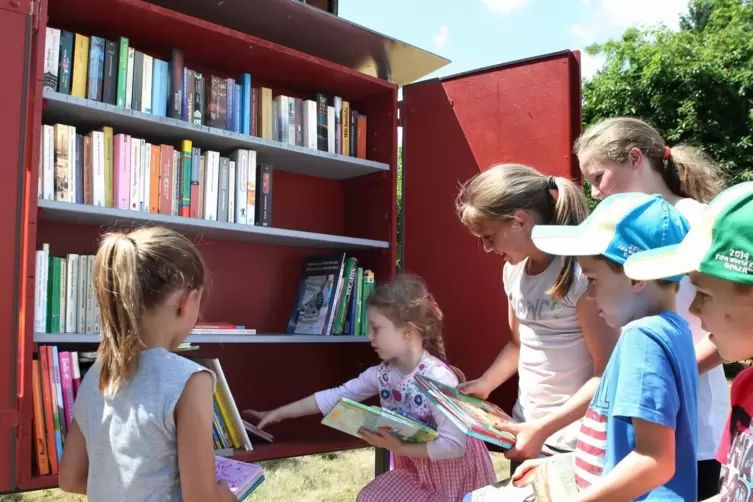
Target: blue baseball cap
(620, 226)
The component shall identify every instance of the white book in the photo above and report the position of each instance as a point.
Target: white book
(309, 124)
(231, 192)
(72, 172)
(62, 295)
(129, 78)
(51, 58)
(146, 177)
(40, 291)
(291, 121)
(331, 129)
(211, 186)
(83, 268)
(135, 173)
(90, 293)
(98, 168)
(146, 86)
(251, 189)
(141, 180)
(240, 157)
(45, 282)
(48, 188)
(40, 173)
(71, 293)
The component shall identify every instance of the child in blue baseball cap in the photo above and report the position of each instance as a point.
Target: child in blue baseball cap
(638, 438)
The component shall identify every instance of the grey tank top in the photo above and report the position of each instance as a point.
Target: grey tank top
(131, 438)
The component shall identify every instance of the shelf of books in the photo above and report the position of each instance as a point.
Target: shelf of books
(281, 168)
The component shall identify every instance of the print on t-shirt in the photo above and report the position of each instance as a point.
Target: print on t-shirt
(541, 308)
(736, 482)
(592, 440)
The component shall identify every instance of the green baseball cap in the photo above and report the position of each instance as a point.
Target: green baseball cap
(719, 245)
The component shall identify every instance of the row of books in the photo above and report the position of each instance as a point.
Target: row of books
(113, 72)
(56, 377)
(104, 169)
(331, 297)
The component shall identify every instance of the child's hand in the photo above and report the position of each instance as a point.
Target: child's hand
(523, 474)
(382, 440)
(479, 388)
(265, 417)
(529, 439)
(225, 494)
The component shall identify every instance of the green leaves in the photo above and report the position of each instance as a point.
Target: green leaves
(694, 85)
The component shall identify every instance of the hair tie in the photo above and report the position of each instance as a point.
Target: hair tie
(666, 153)
(551, 184)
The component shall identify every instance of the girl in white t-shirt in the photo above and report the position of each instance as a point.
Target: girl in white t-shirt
(559, 345)
(628, 155)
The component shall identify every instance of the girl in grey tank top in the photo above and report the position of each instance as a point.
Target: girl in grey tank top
(142, 427)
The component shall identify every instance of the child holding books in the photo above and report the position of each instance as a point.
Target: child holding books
(405, 330)
(559, 345)
(716, 254)
(638, 439)
(142, 427)
(625, 154)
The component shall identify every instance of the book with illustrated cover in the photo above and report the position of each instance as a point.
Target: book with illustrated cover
(474, 416)
(350, 416)
(242, 478)
(550, 481)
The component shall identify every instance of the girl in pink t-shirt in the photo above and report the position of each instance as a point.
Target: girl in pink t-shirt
(405, 330)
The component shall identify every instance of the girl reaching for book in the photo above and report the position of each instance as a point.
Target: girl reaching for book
(558, 344)
(142, 423)
(405, 331)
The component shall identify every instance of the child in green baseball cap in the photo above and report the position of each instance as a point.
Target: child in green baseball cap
(717, 254)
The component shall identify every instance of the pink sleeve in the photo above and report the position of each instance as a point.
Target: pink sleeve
(357, 389)
(450, 441)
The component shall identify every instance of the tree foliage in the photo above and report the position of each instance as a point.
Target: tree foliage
(695, 85)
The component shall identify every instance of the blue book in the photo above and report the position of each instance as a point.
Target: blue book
(96, 68)
(237, 105)
(246, 103)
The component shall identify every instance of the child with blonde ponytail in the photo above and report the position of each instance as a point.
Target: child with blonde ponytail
(559, 344)
(142, 420)
(626, 154)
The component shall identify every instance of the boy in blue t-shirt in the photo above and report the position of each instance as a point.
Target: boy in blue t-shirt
(638, 438)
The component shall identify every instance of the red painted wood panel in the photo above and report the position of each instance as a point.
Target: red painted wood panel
(523, 112)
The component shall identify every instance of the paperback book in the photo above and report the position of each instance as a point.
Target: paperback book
(475, 417)
(242, 478)
(550, 481)
(350, 416)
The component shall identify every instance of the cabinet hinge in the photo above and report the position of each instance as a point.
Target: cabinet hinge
(36, 7)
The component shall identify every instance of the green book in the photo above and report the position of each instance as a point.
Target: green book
(359, 302)
(350, 416)
(122, 72)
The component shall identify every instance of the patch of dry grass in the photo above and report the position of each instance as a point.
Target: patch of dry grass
(332, 477)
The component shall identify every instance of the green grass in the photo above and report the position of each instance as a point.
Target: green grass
(333, 477)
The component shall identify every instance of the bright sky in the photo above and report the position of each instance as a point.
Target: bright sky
(477, 33)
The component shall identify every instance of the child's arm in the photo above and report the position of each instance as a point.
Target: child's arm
(193, 421)
(362, 387)
(600, 339)
(74, 466)
(503, 367)
(707, 355)
(649, 465)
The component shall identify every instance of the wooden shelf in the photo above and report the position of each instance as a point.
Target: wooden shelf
(295, 448)
(89, 115)
(69, 212)
(262, 338)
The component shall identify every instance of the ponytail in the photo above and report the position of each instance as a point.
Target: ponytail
(687, 171)
(503, 189)
(133, 273)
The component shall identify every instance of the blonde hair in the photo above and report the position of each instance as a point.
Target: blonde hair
(134, 273)
(688, 172)
(406, 301)
(498, 192)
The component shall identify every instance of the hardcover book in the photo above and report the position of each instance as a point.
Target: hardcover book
(350, 416)
(475, 417)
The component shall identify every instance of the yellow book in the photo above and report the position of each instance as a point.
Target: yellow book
(265, 113)
(226, 418)
(109, 193)
(80, 65)
(345, 126)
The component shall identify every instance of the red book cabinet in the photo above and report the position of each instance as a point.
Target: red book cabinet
(526, 111)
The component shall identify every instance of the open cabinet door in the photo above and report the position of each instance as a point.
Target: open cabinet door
(18, 29)
(525, 112)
